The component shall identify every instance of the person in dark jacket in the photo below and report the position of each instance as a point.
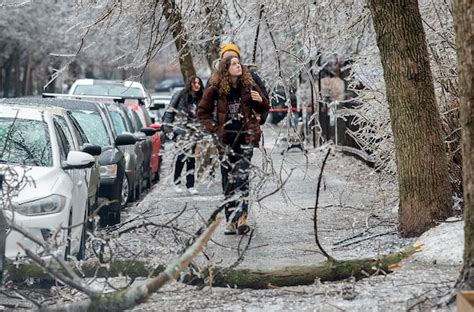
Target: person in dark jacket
(229, 108)
(231, 49)
(180, 124)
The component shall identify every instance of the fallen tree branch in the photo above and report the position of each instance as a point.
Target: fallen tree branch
(315, 219)
(131, 297)
(366, 238)
(243, 278)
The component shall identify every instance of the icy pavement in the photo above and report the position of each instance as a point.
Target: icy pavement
(357, 217)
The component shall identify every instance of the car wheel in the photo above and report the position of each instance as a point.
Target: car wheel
(110, 213)
(148, 182)
(138, 190)
(125, 192)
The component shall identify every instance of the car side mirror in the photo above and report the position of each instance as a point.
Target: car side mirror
(148, 131)
(79, 160)
(92, 149)
(125, 139)
(156, 126)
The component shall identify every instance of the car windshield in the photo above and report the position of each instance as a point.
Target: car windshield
(109, 90)
(118, 122)
(25, 141)
(93, 127)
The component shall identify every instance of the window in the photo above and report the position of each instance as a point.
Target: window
(118, 122)
(25, 142)
(78, 130)
(65, 128)
(63, 143)
(93, 126)
(109, 90)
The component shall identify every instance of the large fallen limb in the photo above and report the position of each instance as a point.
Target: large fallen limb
(133, 296)
(243, 278)
(307, 274)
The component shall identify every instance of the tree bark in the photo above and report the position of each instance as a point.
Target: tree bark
(241, 278)
(425, 191)
(27, 75)
(17, 77)
(7, 81)
(214, 11)
(463, 21)
(174, 18)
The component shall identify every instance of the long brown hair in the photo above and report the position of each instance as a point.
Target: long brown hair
(221, 78)
(188, 89)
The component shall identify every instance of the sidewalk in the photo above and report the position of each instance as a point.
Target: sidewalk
(353, 200)
(357, 217)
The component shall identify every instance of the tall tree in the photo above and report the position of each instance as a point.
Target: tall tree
(464, 21)
(178, 29)
(214, 12)
(425, 191)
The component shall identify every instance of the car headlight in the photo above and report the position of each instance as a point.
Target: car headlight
(109, 171)
(51, 204)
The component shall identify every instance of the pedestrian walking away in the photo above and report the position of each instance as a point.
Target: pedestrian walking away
(180, 125)
(229, 109)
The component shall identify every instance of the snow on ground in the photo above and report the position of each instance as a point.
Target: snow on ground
(357, 218)
(444, 244)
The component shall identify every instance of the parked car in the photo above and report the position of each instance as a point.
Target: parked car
(169, 85)
(51, 200)
(137, 156)
(76, 137)
(94, 120)
(146, 122)
(117, 88)
(145, 125)
(159, 104)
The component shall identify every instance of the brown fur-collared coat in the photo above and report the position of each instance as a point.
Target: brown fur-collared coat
(251, 111)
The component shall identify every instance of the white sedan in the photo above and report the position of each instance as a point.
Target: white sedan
(45, 188)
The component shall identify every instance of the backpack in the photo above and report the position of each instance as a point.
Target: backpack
(261, 85)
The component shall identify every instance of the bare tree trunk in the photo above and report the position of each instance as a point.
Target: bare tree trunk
(464, 21)
(425, 191)
(214, 11)
(16, 62)
(174, 18)
(7, 67)
(27, 76)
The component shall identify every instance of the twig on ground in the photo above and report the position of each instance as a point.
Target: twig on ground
(358, 234)
(367, 238)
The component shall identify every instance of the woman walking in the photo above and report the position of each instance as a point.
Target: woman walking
(179, 124)
(229, 108)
